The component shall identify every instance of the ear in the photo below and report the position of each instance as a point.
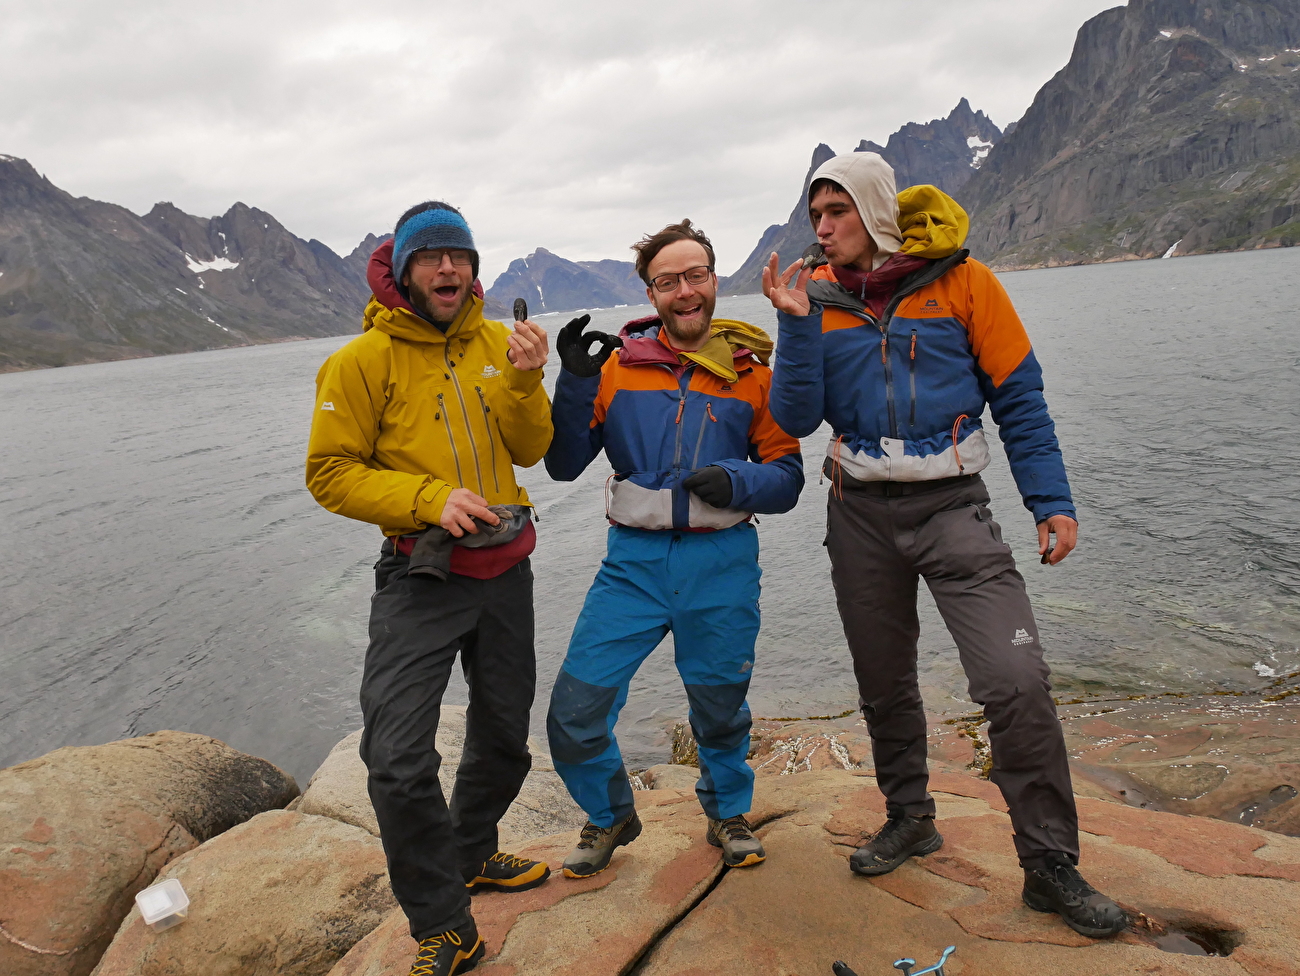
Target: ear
(406, 279)
(649, 296)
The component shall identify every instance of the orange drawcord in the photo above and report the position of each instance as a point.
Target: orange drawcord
(884, 347)
(681, 405)
(956, 427)
(913, 343)
(708, 408)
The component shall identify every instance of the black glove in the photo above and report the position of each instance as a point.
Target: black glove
(575, 348)
(712, 485)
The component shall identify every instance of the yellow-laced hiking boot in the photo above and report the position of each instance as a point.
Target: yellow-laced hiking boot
(506, 872)
(455, 951)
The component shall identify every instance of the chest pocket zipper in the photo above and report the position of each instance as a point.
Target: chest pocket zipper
(492, 444)
(911, 374)
(699, 441)
(442, 412)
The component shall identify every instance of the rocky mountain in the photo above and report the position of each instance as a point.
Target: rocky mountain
(85, 281)
(945, 152)
(788, 239)
(549, 283)
(1175, 124)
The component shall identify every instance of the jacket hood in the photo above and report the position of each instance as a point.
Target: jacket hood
(932, 223)
(869, 181)
(379, 276)
(402, 323)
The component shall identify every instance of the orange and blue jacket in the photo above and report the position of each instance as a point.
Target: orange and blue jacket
(660, 416)
(904, 392)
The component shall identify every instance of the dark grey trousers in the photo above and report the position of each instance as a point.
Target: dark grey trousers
(879, 546)
(417, 626)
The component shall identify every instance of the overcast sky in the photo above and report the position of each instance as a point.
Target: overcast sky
(572, 126)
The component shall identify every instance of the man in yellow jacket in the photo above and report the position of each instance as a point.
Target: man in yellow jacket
(418, 425)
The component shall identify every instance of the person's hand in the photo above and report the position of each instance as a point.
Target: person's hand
(711, 485)
(575, 348)
(792, 301)
(460, 510)
(1066, 531)
(529, 346)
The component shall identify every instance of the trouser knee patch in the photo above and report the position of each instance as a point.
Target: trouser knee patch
(577, 724)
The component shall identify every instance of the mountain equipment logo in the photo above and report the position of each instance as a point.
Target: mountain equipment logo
(490, 371)
(327, 405)
(1022, 637)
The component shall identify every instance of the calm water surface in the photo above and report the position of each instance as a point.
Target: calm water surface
(164, 567)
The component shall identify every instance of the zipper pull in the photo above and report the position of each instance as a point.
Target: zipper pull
(884, 345)
(681, 407)
(913, 344)
(708, 409)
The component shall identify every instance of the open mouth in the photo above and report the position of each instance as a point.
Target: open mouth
(690, 311)
(447, 293)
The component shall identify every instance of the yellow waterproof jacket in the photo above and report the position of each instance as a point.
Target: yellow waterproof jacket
(405, 413)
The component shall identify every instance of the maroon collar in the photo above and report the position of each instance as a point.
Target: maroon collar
(876, 288)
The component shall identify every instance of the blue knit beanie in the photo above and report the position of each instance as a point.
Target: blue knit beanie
(430, 228)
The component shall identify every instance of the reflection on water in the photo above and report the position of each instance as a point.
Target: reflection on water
(165, 568)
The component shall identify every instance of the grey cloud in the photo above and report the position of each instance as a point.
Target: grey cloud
(573, 126)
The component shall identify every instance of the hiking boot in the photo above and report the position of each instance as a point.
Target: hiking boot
(506, 872)
(899, 839)
(596, 846)
(1060, 888)
(740, 848)
(456, 951)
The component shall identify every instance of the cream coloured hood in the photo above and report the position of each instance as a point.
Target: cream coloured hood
(869, 180)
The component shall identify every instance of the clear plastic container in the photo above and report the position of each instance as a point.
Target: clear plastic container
(163, 905)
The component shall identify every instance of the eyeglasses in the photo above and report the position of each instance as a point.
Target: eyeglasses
(432, 257)
(670, 282)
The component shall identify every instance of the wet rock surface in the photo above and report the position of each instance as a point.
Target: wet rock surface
(285, 893)
(84, 828)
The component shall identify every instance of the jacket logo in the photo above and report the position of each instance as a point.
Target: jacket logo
(1022, 637)
(490, 371)
(327, 405)
(725, 388)
(932, 305)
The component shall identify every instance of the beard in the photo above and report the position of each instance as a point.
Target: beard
(421, 299)
(686, 332)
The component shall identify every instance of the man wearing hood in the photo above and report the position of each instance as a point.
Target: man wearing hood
(680, 410)
(418, 425)
(899, 340)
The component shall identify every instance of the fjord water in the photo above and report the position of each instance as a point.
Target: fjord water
(164, 567)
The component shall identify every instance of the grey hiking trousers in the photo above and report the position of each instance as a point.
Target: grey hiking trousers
(881, 537)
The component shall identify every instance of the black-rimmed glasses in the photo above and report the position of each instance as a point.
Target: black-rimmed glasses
(670, 282)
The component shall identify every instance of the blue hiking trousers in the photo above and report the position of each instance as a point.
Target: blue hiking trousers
(702, 586)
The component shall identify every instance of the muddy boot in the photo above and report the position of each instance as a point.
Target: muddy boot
(1059, 887)
(596, 846)
(899, 839)
(740, 848)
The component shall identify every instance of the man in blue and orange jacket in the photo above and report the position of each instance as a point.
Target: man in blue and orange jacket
(681, 411)
(899, 340)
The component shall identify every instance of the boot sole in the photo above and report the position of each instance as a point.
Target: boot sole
(874, 871)
(624, 837)
(1088, 930)
(470, 961)
(474, 887)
